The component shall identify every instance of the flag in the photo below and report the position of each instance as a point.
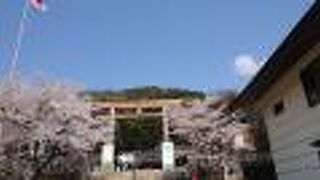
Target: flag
(38, 5)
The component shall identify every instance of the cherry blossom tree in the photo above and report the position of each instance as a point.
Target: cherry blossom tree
(45, 129)
(215, 138)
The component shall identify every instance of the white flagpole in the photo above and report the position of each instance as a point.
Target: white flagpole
(19, 38)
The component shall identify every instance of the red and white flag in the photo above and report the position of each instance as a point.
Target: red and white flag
(38, 5)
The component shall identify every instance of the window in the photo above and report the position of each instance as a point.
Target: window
(316, 144)
(278, 108)
(310, 78)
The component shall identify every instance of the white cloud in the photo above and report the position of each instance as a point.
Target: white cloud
(247, 65)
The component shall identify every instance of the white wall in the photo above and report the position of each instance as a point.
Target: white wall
(291, 132)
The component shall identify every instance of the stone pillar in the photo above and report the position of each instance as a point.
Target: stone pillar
(139, 111)
(108, 149)
(168, 159)
(165, 124)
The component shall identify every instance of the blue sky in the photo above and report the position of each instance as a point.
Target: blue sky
(124, 43)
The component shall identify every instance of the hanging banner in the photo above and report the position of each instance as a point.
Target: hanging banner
(107, 157)
(167, 155)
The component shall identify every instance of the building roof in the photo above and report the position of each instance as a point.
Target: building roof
(304, 36)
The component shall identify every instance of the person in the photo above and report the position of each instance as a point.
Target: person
(194, 175)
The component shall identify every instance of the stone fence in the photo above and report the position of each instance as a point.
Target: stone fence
(129, 175)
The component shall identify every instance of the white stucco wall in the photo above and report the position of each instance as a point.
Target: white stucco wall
(291, 132)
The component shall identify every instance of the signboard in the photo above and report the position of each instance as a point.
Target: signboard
(167, 155)
(107, 157)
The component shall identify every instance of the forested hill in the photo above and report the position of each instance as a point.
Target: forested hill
(147, 92)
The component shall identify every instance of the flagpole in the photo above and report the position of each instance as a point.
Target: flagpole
(19, 38)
